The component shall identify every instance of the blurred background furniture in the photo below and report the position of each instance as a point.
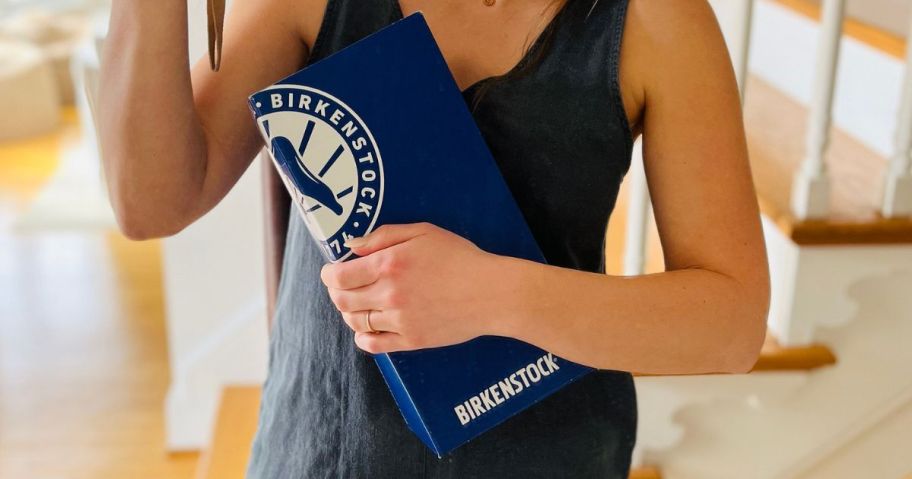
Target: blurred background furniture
(27, 87)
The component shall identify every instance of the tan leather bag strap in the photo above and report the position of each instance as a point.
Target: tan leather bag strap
(216, 13)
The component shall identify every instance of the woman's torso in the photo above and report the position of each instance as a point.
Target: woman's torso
(557, 127)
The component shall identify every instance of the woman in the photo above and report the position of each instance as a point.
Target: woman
(559, 89)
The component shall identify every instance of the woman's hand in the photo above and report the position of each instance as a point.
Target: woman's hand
(425, 287)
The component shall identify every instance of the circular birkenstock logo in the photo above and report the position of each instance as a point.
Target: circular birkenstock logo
(329, 157)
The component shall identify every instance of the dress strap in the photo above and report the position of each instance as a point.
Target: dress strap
(347, 21)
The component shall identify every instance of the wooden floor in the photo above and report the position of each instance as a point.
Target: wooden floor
(83, 359)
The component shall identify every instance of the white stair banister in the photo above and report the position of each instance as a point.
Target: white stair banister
(810, 191)
(897, 193)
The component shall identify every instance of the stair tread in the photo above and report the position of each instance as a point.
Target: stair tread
(775, 357)
(236, 423)
(645, 473)
(776, 126)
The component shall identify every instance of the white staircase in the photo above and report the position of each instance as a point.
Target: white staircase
(841, 272)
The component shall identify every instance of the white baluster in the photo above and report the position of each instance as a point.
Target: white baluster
(742, 44)
(638, 210)
(897, 197)
(810, 191)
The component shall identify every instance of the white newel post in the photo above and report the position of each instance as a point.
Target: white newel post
(638, 209)
(897, 194)
(215, 292)
(742, 46)
(810, 191)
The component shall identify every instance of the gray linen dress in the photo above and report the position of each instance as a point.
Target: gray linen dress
(557, 128)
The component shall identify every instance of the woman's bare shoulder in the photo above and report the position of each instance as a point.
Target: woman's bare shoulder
(311, 18)
(306, 15)
(674, 37)
(667, 42)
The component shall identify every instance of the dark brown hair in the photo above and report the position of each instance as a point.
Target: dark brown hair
(533, 54)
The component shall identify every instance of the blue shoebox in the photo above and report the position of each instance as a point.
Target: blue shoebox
(379, 133)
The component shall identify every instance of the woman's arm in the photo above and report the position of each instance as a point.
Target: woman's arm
(174, 142)
(706, 313)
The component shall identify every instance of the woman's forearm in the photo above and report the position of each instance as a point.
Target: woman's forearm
(153, 144)
(428, 287)
(679, 322)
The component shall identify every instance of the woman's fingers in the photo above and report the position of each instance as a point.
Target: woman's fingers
(387, 236)
(352, 274)
(358, 299)
(379, 321)
(376, 343)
